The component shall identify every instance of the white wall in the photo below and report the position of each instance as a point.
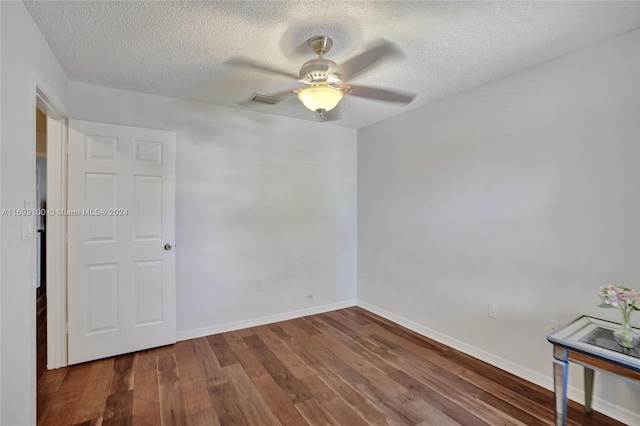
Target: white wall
(258, 198)
(523, 192)
(26, 61)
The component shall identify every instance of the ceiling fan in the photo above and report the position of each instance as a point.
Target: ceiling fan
(325, 79)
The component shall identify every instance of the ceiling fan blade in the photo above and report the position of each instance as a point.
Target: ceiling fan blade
(362, 62)
(248, 63)
(382, 94)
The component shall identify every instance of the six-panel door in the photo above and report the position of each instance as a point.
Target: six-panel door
(121, 278)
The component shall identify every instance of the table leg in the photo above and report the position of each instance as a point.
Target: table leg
(560, 376)
(588, 389)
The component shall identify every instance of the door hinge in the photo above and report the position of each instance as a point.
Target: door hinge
(66, 327)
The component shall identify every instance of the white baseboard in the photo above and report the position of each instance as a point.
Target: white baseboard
(254, 322)
(605, 407)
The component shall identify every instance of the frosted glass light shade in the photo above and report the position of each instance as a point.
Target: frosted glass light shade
(320, 97)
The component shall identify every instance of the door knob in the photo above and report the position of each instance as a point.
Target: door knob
(168, 246)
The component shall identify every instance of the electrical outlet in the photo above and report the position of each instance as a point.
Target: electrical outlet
(554, 324)
(493, 311)
(259, 285)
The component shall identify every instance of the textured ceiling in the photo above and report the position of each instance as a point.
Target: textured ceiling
(179, 49)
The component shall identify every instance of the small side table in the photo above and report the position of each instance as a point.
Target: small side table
(589, 342)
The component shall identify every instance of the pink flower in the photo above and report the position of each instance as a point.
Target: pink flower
(624, 298)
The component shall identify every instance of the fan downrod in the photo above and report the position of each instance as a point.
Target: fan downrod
(320, 45)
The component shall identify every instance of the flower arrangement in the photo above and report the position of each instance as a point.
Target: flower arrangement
(627, 300)
(624, 298)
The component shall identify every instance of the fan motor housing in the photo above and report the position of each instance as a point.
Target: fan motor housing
(320, 70)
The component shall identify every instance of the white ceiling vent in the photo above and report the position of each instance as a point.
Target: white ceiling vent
(265, 99)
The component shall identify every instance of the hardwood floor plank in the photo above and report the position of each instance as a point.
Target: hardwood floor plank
(164, 350)
(441, 403)
(209, 365)
(188, 364)
(400, 347)
(310, 329)
(349, 313)
(348, 322)
(42, 400)
(348, 367)
(50, 383)
(366, 387)
(355, 347)
(92, 422)
(196, 396)
(194, 387)
(362, 366)
(289, 359)
(245, 332)
(433, 416)
(204, 418)
(290, 330)
(92, 403)
(279, 403)
(144, 361)
(578, 417)
(222, 350)
(234, 339)
(251, 363)
(251, 402)
(315, 414)
(172, 404)
(339, 409)
(119, 408)
(303, 353)
(146, 398)
(359, 403)
(278, 330)
(122, 373)
(338, 326)
(72, 387)
(61, 415)
(48, 386)
(225, 402)
(541, 413)
(315, 322)
(283, 377)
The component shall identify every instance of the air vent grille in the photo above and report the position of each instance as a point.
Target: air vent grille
(265, 99)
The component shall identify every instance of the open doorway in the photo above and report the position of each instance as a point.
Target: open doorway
(40, 245)
(49, 249)
(49, 245)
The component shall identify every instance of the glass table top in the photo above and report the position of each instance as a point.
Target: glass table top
(594, 336)
(603, 338)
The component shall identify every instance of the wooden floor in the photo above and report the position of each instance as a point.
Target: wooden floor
(41, 331)
(347, 367)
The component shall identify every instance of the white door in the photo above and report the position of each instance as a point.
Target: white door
(120, 221)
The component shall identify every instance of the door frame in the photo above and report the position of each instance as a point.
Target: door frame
(56, 244)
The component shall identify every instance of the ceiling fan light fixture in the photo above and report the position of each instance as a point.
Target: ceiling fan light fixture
(320, 97)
